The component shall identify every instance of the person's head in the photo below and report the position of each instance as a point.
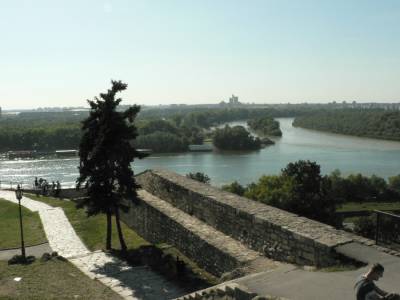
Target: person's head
(376, 272)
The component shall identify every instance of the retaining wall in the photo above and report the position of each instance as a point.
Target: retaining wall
(158, 221)
(276, 233)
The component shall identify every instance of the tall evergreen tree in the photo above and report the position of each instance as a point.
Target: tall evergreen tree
(106, 153)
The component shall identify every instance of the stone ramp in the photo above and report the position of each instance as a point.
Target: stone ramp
(214, 243)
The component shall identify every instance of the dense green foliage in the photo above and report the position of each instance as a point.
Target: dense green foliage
(359, 188)
(106, 154)
(41, 131)
(235, 188)
(365, 226)
(266, 126)
(205, 117)
(369, 123)
(46, 131)
(235, 138)
(301, 189)
(199, 176)
(166, 136)
(161, 142)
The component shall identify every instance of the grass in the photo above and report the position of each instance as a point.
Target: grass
(92, 230)
(54, 279)
(10, 230)
(368, 206)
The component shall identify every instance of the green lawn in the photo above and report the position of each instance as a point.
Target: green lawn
(92, 230)
(367, 206)
(53, 279)
(9, 226)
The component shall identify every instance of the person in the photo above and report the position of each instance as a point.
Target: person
(366, 288)
(44, 187)
(58, 189)
(53, 187)
(36, 186)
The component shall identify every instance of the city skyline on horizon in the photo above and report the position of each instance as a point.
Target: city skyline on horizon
(176, 52)
(346, 102)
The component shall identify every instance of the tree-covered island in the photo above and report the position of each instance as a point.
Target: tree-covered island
(235, 138)
(265, 126)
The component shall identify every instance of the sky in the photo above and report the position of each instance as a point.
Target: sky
(60, 53)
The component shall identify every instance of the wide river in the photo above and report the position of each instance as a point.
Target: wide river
(331, 151)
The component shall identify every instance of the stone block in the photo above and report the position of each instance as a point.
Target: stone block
(243, 294)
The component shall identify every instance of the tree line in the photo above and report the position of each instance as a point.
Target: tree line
(172, 133)
(301, 189)
(374, 123)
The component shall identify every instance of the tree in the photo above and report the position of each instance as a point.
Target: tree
(273, 190)
(394, 183)
(235, 188)
(300, 189)
(311, 195)
(106, 153)
(198, 176)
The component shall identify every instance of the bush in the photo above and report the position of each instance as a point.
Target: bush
(235, 188)
(366, 227)
(198, 176)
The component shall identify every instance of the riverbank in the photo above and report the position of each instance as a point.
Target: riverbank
(332, 151)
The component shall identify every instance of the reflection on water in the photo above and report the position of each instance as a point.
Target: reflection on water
(331, 151)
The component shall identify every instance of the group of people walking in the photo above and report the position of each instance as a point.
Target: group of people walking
(43, 187)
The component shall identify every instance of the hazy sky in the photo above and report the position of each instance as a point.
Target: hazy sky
(60, 53)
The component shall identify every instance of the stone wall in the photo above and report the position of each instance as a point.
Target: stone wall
(276, 233)
(227, 291)
(70, 193)
(158, 221)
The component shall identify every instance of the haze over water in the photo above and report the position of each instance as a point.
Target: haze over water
(346, 153)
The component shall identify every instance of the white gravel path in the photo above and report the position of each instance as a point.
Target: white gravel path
(130, 283)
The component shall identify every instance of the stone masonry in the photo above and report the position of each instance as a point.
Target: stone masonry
(158, 221)
(270, 231)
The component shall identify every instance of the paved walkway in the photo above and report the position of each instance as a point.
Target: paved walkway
(37, 251)
(295, 283)
(131, 283)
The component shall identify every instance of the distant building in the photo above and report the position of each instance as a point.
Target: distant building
(234, 100)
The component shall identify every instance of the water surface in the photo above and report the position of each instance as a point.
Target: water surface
(332, 151)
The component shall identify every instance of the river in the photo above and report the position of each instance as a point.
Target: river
(331, 151)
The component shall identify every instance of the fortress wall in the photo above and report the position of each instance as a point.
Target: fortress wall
(158, 223)
(276, 233)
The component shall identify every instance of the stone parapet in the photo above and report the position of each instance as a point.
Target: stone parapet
(276, 233)
(158, 221)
